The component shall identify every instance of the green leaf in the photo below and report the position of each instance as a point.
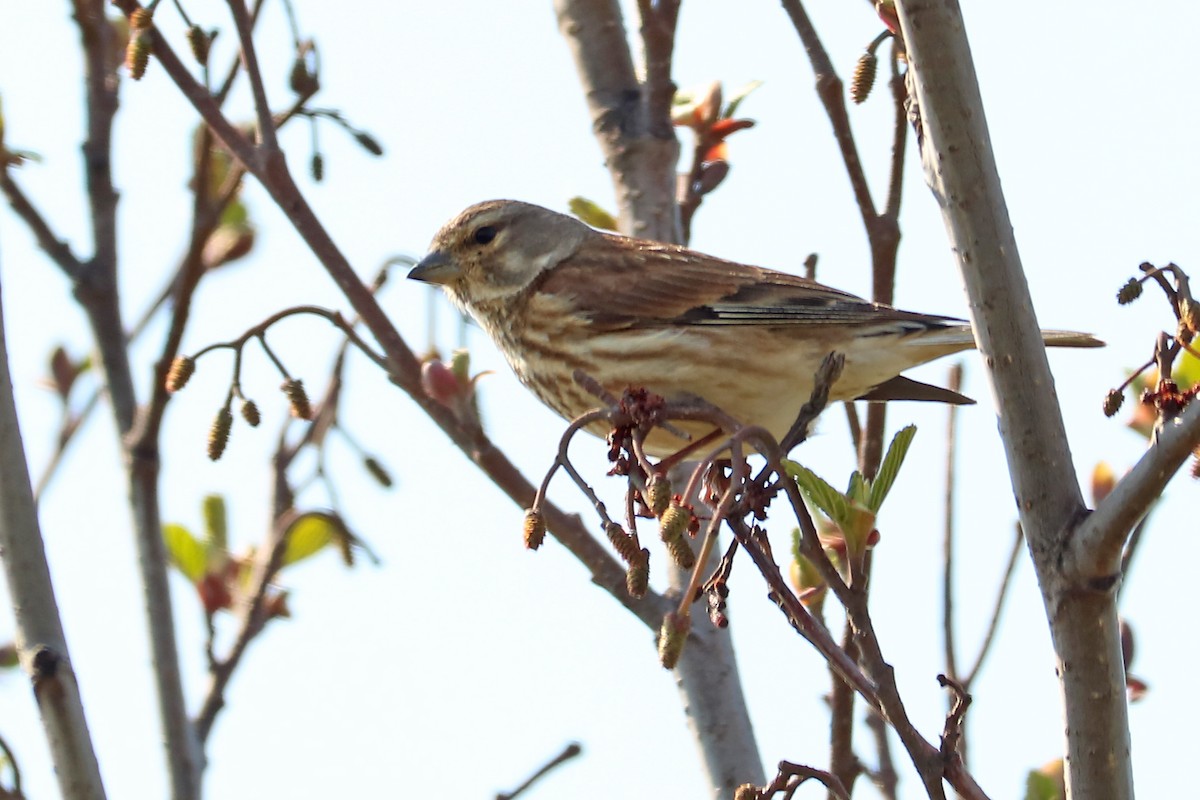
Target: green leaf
(737, 97)
(858, 490)
(1040, 787)
(890, 466)
(185, 551)
(832, 502)
(309, 534)
(235, 214)
(216, 533)
(1187, 370)
(592, 214)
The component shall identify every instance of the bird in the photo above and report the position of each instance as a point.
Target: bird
(559, 298)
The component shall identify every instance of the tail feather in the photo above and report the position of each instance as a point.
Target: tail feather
(961, 336)
(1070, 339)
(902, 388)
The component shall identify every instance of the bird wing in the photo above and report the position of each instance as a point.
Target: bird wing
(625, 283)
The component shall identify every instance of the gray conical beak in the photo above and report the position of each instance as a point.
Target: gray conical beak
(436, 267)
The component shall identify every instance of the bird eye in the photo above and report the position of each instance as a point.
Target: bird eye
(485, 234)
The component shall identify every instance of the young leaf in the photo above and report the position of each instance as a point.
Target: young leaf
(1041, 787)
(890, 466)
(738, 96)
(186, 552)
(858, 489)
(832, 502)
(592, 214)
(216, 533)
(308, 535)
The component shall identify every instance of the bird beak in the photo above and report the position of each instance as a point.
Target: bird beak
(436, 267)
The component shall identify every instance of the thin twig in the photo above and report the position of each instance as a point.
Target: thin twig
(950, 650)
(842, 760)
(884, 775)
(952, 730)
(259, 331)
(570, 751)
(252, 619)
(245, 30)
(790, 776)
(14, 767)
(57, 249)
(1131, 548)
(994, 622)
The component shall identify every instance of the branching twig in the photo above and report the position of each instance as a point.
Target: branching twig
(952, 731)
(259, 330)
(790, 776)
(253, 617)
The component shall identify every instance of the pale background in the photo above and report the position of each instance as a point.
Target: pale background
(464, 661)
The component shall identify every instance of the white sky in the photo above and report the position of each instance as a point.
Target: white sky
(463, 662)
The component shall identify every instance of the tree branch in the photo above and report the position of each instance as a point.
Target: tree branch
(58, 250)
(1094, 551)
(96, 290)
(639, 152)
(961, 171)
(41, 644)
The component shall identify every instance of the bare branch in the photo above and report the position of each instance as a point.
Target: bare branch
(961, 170)
(1095, 549)
(951, 655)
(640, 153)
(41, 644)
(58, 250)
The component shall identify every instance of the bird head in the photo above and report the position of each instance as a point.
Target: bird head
(496, 249)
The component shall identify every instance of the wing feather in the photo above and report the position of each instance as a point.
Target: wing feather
(629, 283)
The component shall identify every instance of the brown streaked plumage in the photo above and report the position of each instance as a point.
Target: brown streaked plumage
(556, 296)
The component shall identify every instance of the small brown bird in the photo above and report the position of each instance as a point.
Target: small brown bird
(557, 296)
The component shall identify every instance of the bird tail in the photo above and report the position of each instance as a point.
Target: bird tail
(960, 337)
(1070, 339)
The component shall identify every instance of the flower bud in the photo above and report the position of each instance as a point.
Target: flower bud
(250, 413)
(747, 791)
(378, 471)
(1131, 291)
(673, 522)
(218, 434)
(369, 143)
(1103, 481)
(535, 529)
(440, 383)
(181, 370)
(637, 577)
(137, 54)
(681, 553)
(1112, 402)
(297, 398)
(671, 638)
(658, 494)
(199, 42)
(864, 77)
(622, 542)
